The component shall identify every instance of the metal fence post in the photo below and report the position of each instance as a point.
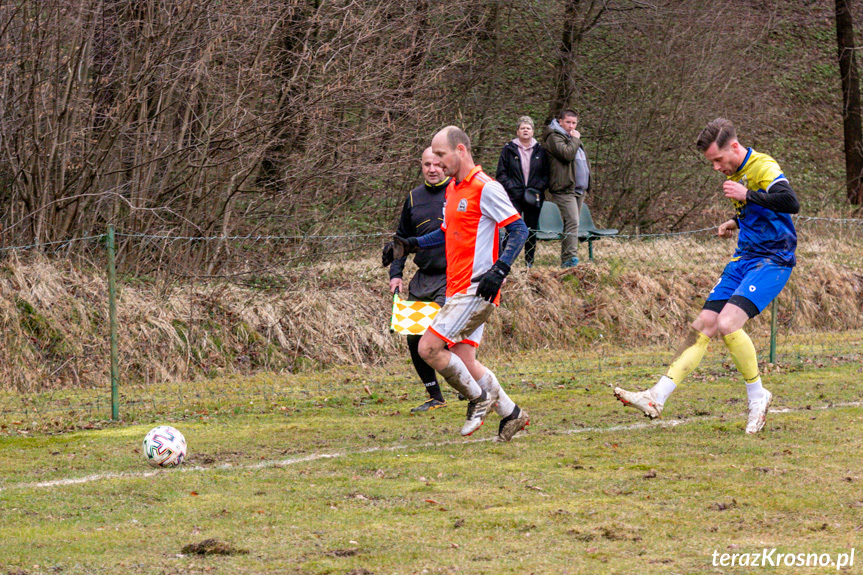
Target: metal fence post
(112, 319)
(773, 332)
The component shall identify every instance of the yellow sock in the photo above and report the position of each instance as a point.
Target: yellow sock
(743, 354)
(688, 356)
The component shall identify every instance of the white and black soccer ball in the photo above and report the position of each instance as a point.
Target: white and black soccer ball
(164, 446)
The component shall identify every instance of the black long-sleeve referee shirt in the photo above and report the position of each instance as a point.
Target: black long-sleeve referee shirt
(423, 213)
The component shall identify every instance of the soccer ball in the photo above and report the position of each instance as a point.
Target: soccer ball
(164, 446)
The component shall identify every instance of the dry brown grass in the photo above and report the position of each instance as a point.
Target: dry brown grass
(54, 315)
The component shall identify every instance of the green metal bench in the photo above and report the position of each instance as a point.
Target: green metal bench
(551, 226)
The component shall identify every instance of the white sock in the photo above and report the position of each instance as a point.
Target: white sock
(754, 390)
(456, 374)
(663, 389)
(504, 406)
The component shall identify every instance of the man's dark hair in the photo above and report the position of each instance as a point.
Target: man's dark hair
(456, 136)
(565, 113)
(720, 131)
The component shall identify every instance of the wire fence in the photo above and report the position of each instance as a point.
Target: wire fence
(215, 323)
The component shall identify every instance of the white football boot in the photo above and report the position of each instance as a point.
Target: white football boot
(641, 400)
(758, 413)
(477, 410)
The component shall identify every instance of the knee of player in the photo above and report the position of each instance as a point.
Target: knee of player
(428, 347)
(727, 324)
(706, 325)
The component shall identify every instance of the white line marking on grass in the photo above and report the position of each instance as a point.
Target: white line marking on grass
(635, 426)
(399, 447)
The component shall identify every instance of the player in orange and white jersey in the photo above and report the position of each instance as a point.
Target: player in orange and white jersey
(476, 208)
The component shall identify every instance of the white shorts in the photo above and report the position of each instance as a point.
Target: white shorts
(461, 319)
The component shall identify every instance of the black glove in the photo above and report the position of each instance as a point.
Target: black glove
(398, 248)
(490, 281)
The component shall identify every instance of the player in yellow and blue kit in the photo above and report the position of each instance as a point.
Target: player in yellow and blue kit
(760, 268)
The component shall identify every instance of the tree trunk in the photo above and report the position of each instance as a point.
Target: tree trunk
(579, 18)
(565, 84)
(850, 102)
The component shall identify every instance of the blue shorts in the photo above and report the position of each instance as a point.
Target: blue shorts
(749, 284)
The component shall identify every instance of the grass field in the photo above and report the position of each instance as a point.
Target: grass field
(351, 484)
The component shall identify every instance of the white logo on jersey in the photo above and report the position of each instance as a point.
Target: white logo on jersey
(462, 205)
(751, 288)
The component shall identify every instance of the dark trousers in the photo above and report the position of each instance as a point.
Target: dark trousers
(425, 371)
(530, 215)
(426, 286)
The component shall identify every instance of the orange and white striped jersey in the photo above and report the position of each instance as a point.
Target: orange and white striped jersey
(475, 209)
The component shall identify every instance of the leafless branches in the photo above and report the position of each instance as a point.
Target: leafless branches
(203, 117)
(208, 117)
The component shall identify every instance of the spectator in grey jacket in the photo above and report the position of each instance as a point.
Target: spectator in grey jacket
(569, 178)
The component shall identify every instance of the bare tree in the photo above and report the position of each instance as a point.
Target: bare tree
(578, 19)
(202, 117)
(197, 118)
(851, 114)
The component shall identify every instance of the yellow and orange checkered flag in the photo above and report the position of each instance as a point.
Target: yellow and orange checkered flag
(412, 317)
